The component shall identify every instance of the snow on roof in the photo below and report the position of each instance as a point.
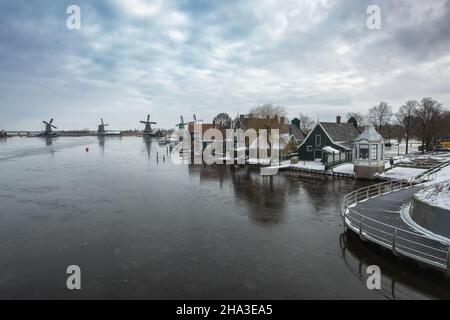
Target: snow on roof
(370, 134)
(330, 149)
(262, 143)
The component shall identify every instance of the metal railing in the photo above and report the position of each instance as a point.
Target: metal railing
(409, 243)
(428, 175)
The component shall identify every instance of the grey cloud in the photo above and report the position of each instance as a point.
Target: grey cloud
(205, 57)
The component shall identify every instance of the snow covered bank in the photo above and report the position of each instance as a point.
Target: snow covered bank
(429, 211)
(402, 173)
(344, 168)
(437, 195)
(442, 175)
(314, 165)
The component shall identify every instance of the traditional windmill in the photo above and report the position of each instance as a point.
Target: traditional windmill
(148, 132)
(195, 119)
(101, 127)
(48, 128)
(182, 124)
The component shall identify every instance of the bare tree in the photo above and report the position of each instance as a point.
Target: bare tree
(393, 131)
(405, 117)
(268, 110)
(443, 125)
(428, 114)
(380, 115)
(306, 123)
(223, 120)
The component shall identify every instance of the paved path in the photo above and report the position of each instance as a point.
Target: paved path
(382, 224)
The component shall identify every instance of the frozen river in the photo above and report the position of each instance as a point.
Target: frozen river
(142, 228)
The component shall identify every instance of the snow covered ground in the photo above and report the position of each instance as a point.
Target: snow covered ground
(344, 168)
(315, 165)
(395, 150)
(349, 167)
(402, 173)
(437, 195)
(259, 161)
(441, 175)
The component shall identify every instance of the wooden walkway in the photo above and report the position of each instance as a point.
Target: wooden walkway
(377, 219)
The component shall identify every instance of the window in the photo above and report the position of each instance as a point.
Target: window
(318, 140)
(373, 152)
(309, 148)
(364, 152)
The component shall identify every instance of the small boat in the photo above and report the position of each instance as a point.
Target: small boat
(3, 134)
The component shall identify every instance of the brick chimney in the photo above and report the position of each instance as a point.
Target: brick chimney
(338, 119)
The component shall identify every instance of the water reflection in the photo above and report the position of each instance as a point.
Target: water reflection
(401, 278)
(48, 141)
(148, 145)
(101, 143)
(163, 230)
(264, 197)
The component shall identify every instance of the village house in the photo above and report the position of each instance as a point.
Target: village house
(199, 141)
(330, 142)
(290, 136)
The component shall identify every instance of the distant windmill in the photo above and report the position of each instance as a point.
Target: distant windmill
(48, 127)
(195, 119)
(182, 124)
(101, 127)
(148, 132)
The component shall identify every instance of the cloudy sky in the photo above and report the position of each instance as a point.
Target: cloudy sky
(177, 57)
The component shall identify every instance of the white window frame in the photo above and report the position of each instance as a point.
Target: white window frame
(309, 149)
(359, 151)
(373, 147)
(320, 140)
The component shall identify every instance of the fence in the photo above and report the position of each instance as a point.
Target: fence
(400, 240)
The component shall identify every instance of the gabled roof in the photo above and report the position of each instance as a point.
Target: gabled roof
(295, 131)
(262, 143)
(340, 132)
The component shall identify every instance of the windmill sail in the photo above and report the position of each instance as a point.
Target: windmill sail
(148, 131)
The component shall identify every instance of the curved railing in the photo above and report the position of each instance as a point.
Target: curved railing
(400, 240)
(428, 175)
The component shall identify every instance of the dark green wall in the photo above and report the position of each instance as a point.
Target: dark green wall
(311, 141)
